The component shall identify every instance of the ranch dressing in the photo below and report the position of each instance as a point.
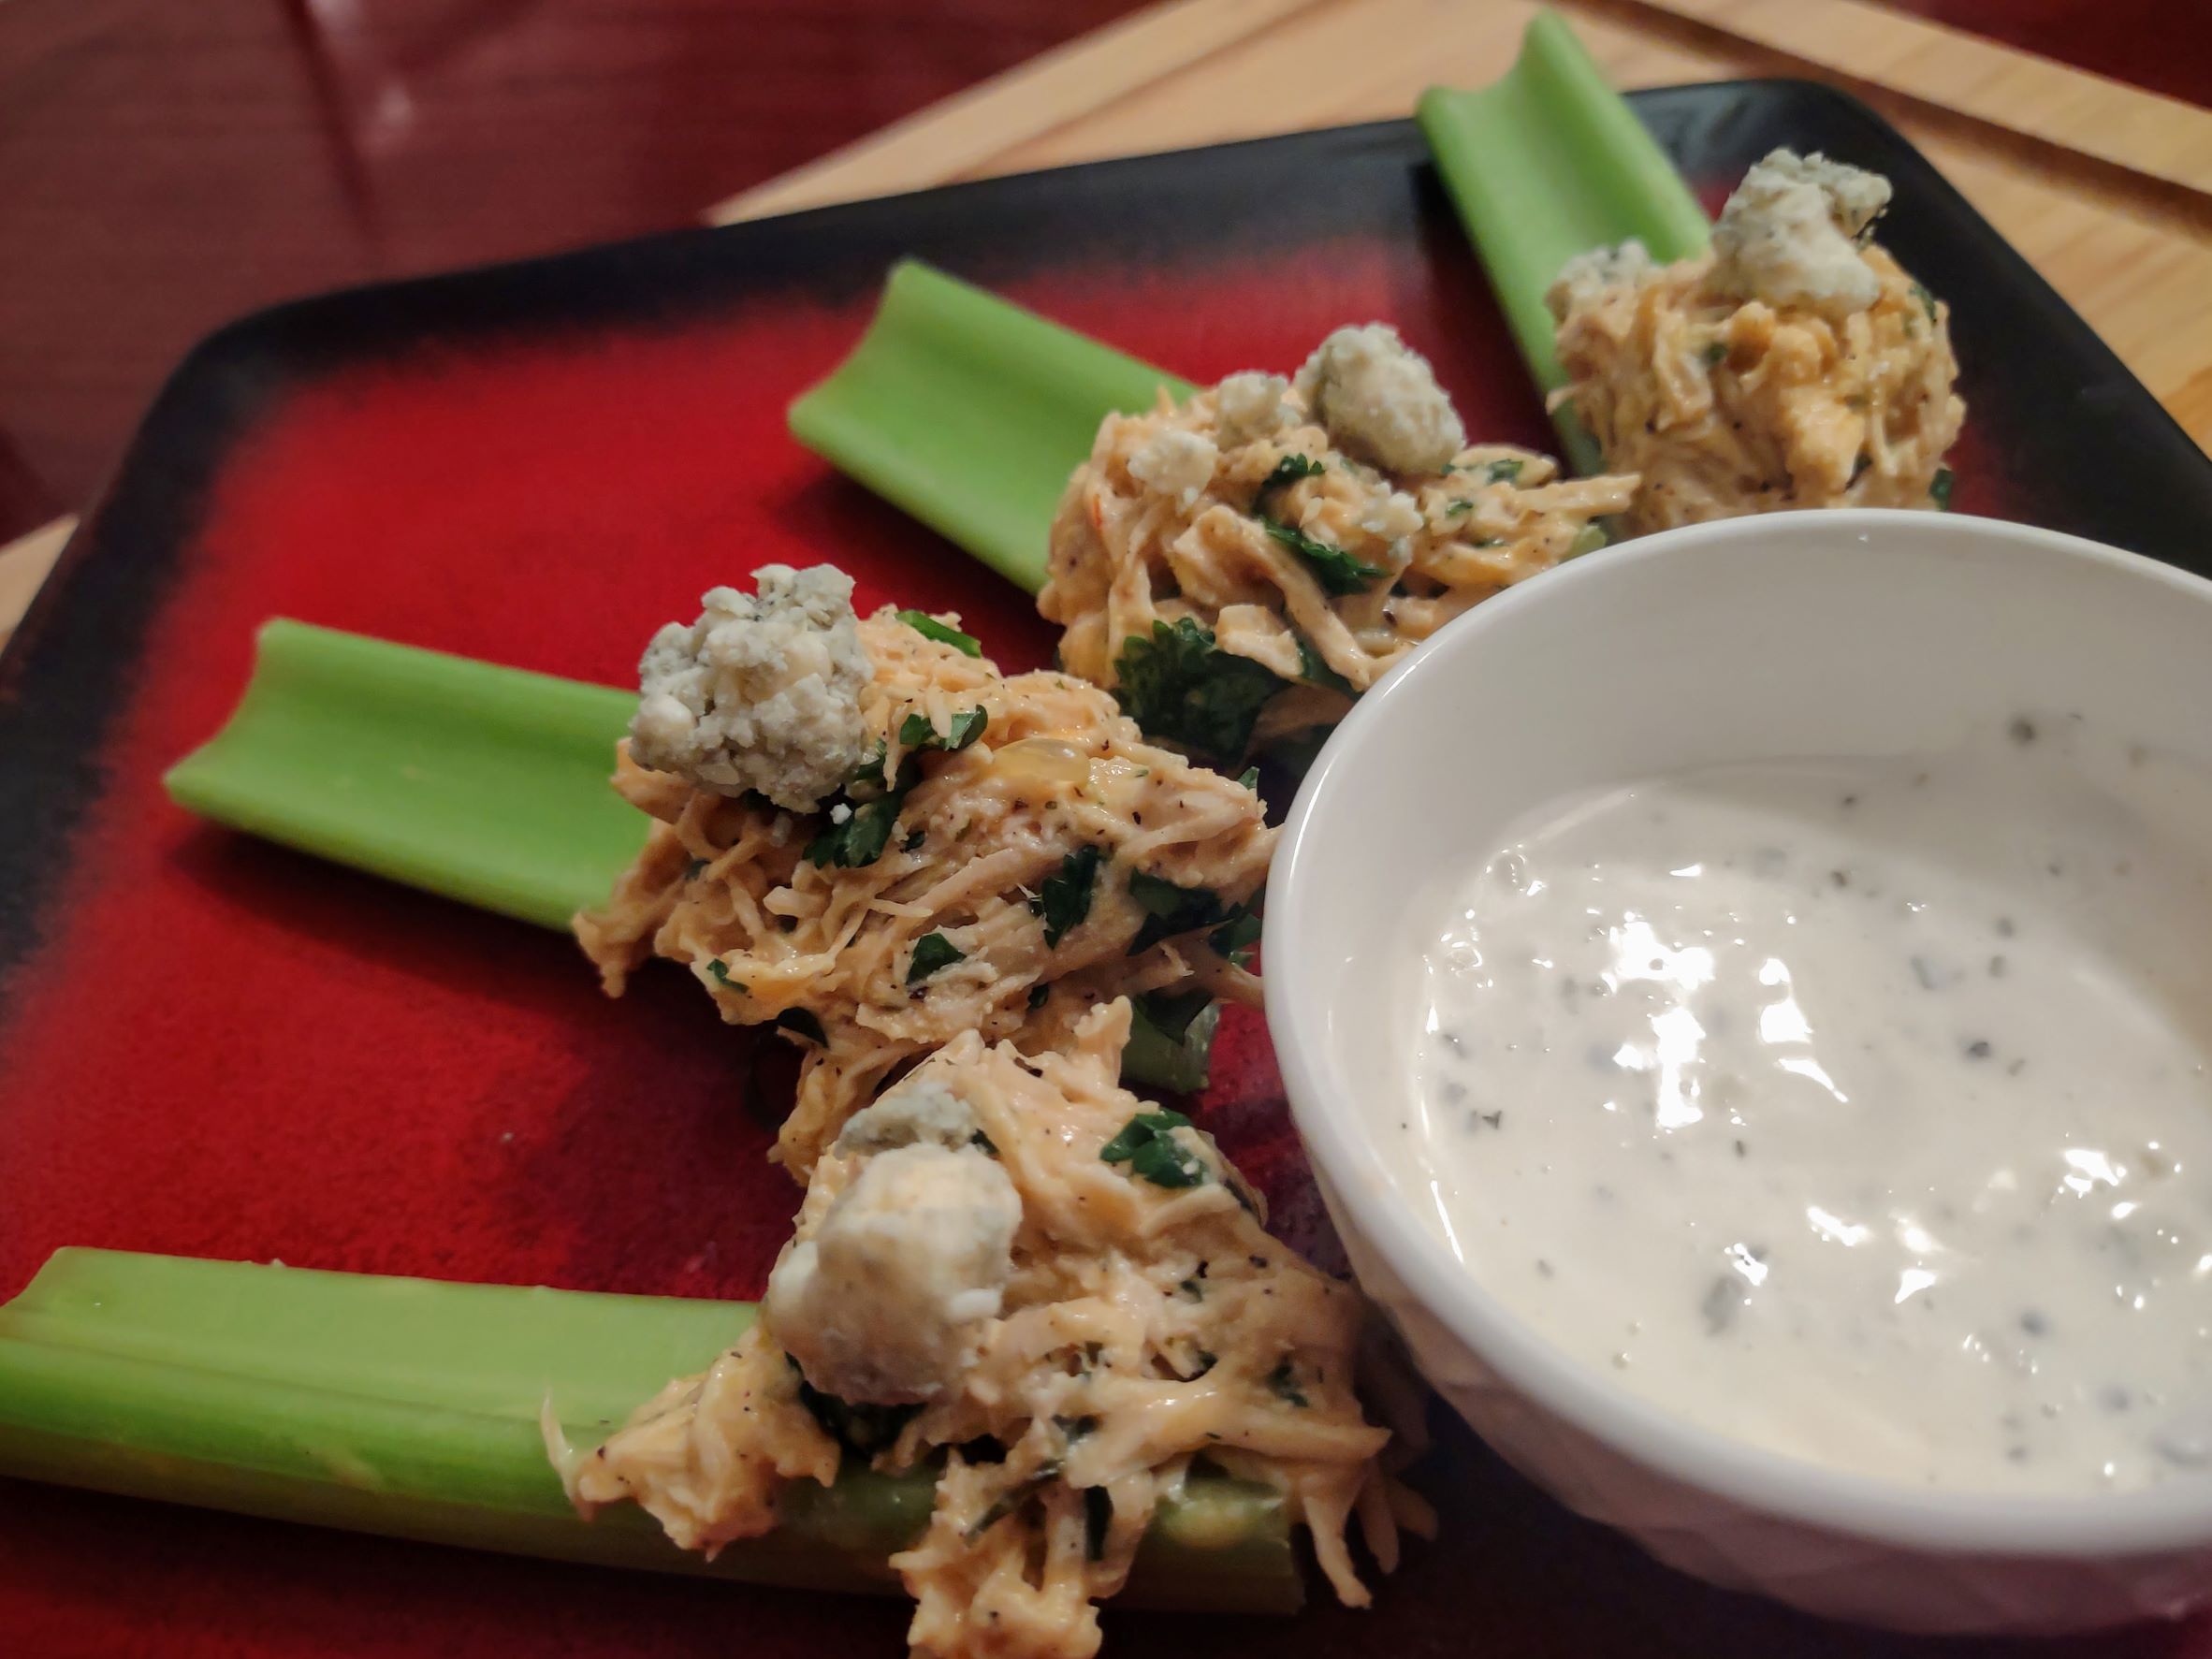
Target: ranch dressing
(1856, 1108)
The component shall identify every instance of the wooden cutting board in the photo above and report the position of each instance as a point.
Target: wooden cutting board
(2107, 189)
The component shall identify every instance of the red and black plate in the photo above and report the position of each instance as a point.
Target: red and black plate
(213, 1046)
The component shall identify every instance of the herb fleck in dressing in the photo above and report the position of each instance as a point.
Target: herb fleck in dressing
(1856, 1108)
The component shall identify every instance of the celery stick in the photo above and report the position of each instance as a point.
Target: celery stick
(485, 784)
(1175, 1063)
(409, 1407)
(969, 412)
(1547, 162)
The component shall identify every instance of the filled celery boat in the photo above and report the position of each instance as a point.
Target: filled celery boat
(410, 1407)
(481, 783)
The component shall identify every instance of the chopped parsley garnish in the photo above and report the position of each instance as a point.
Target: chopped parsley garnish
(1148, 1145)
(1184, 688)
(1289, 471)
(1715, 352)
(1170, 910)
(933, 953)
(1097, 1519)
(984, 1143)
(799, 1021)
(1337, 571)
(862, 837)
(928, 627)
(871, 804)
(862, 1430)
(1075, 1428)
(915, 839)
(1250, 779)
(860, 840)
(867, 778)
(1502, 470)
(719, 971)
(1065, 899)
(1283, 1381)
(1939, 490)
(1928, 300)
(1313, 668)
(1038, 996)
(917, 732)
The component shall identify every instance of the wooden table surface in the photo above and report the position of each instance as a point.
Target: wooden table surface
(2106, 188)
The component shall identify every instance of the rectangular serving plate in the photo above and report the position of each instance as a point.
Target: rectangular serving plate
(213, 1046)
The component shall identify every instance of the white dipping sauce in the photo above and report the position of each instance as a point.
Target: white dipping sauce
(1856, 1108)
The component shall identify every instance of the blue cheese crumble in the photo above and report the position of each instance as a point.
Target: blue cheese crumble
(1176, 462)
(886, 1301)
(762, 692)
(1378, 399)
(1789, 236)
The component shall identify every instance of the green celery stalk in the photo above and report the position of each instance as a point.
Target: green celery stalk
(970, 413)
(485, 784)
(482, 783)
(1547, 162)
(1178, 1064)
(409, 1407)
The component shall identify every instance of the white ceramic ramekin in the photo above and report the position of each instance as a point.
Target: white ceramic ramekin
(1798, 634)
